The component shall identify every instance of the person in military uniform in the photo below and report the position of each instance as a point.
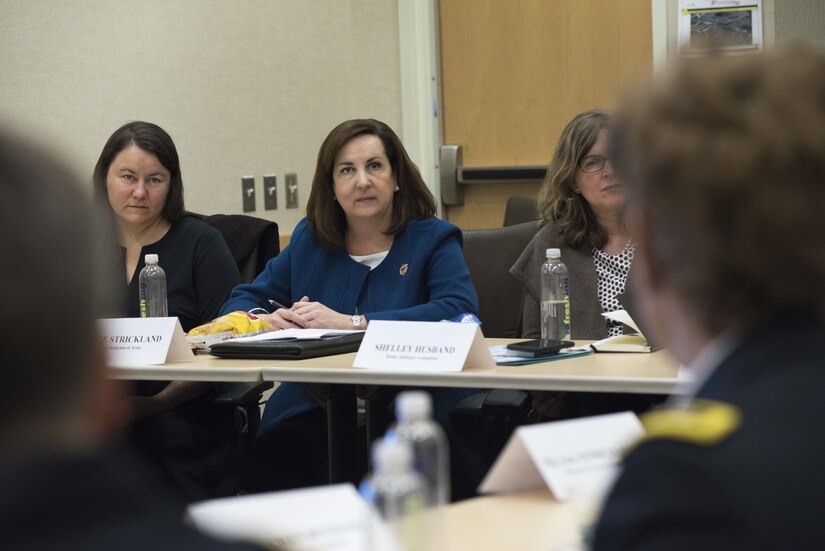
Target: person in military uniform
(724, 160)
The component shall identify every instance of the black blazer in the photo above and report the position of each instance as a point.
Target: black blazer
(758, 487)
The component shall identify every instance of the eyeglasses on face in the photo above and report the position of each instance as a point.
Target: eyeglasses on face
(592, 163)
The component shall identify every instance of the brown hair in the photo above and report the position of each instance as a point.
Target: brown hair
(152, 139)
(412, 200)
(557, 202)
(724, 159)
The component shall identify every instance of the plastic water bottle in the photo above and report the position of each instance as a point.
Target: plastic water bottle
(396, 491)
(555, 298)
(431, 455)
(152, 288)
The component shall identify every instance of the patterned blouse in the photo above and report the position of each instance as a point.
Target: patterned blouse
(612, 273)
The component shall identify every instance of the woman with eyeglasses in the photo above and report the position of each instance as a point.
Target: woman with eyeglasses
(581, 204)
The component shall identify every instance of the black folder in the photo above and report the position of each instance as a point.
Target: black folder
(291, 348)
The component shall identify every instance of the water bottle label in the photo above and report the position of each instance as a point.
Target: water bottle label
(152, 292)
(144, 312)
(555, 319)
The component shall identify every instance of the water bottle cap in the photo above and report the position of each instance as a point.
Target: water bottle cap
(150, 259)
(553, 253)
(391, 455)
(413, 405)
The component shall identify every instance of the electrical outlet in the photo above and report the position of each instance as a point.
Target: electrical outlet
(291, 191)
(248, 190)
(270, 191)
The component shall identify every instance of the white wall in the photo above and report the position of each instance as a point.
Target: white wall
(801, 21)
(243, 87)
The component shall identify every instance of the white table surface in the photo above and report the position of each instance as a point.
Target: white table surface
(202, 367)
(653, 373)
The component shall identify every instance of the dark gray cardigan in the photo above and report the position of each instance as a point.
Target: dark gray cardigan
(586, 321)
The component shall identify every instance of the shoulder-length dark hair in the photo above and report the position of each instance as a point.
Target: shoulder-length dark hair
(412, 200)
(557, 201)
(151, 138)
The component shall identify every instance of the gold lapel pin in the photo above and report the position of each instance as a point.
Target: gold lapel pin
(403, 269)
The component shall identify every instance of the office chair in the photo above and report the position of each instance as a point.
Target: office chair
(484, 421)
(489, 254)
(519, 210)
(252, 242)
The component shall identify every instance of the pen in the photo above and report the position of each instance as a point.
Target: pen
(277, 305)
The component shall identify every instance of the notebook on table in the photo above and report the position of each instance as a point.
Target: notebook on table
(295, 344)
(635, 340)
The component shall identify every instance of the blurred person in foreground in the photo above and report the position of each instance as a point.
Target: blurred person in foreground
(62, 486)
(724, 160)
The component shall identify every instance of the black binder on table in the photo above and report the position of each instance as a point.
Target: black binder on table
(290, 348)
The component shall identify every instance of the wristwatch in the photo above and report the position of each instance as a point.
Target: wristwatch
(356, 321)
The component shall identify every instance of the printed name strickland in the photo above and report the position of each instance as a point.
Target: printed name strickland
(415, 349)
(131, 339)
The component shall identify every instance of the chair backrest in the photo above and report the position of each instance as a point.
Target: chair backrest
(489, 254)
(519, 210)
(252, 241)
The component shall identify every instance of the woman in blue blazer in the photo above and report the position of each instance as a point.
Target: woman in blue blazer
(370, 248)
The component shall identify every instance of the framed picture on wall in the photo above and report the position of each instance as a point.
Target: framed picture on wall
(733, 26)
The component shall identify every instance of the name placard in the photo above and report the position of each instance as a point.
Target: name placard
(423, 346)
(325, 517)
(143, 341)
(579, 455)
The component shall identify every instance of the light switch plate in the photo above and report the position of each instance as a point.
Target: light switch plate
(270, 192)
(248, 190)
(291, 191)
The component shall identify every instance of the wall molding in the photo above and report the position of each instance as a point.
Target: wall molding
(420, 106)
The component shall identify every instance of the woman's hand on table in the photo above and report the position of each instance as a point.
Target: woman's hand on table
(284, 319)
(308, 315)
(321, 317)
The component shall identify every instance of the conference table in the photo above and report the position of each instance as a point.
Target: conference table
(334, 382)
(653, 373)
(202, 367)
(531, 520)
(535, 520)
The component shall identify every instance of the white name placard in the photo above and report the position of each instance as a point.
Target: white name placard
(143, 341)
(426, 346)
(568, 456)
(333, 518)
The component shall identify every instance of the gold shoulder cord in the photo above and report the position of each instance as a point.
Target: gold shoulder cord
(704, 422)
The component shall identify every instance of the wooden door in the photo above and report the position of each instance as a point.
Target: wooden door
(514, 72)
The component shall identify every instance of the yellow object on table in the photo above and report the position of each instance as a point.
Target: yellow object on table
(230, 325)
